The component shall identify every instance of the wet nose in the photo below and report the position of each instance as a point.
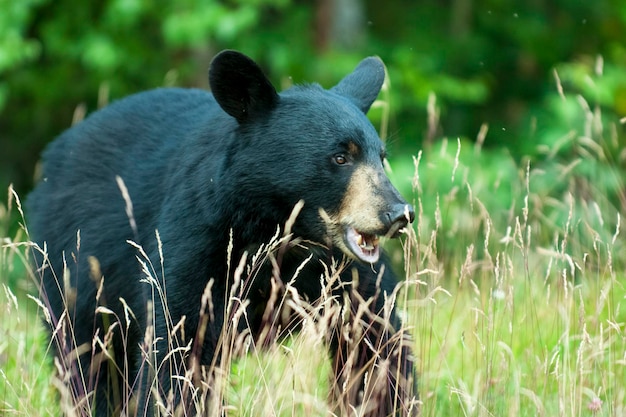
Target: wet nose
(400, 215)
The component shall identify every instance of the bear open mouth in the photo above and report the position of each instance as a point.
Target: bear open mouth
(363, 245)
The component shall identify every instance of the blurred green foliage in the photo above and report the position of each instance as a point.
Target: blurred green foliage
(485, 62)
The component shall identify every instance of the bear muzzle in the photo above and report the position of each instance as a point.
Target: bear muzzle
(365, 246)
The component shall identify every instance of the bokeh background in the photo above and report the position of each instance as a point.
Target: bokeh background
(474, 62)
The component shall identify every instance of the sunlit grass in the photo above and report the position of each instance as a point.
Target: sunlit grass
(27, 387)
(514, 333)
(289, 380)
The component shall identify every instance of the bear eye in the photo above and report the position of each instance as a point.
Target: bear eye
(340, 159)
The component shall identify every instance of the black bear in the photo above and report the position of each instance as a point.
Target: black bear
(153, 220)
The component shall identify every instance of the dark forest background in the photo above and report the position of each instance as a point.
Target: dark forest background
(454, 65)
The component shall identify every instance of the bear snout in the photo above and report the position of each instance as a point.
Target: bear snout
(397, 218)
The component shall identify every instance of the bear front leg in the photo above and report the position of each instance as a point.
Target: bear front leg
(372, 358)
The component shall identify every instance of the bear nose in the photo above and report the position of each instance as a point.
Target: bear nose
(399, 216)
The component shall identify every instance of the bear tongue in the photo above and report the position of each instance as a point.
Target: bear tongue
(364, 246)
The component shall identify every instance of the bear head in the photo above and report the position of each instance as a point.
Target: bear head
(312, 145)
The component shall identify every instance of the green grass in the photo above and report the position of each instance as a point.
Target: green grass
(514, 290)
(26, 382)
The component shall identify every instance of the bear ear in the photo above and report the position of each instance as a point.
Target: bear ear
(240, 87)
(364, 83)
